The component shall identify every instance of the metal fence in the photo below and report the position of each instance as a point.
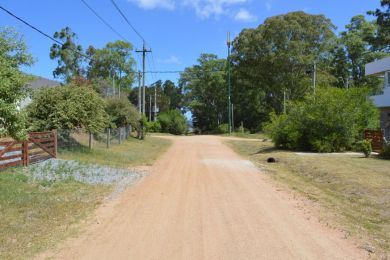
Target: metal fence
(76, 139)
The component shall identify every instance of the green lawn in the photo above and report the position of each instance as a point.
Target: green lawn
(355, 190)
(35, 216)
(132, 152)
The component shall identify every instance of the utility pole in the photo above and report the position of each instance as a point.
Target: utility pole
(229, 86)
(155, 104)
(139, 76)
(144, 51)
(150, 107)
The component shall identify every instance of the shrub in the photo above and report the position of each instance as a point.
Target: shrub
(385, 154)
(331, 120)
(365, 147)
(173, 122)
(223, 129)
(122, 112)
(67, 107)
(153, 127)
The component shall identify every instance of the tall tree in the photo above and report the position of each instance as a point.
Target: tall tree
(204, 86)
(114, 61)
(359, 51)
(69, 55)
(272, 61)
(382, 38)
(13, 53)
(174, 95)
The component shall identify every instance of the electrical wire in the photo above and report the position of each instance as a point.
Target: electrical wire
(104, 21)
(127, 21)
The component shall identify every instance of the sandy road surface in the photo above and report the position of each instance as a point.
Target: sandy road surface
(202, 201)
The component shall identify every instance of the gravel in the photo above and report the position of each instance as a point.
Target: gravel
(54, 170)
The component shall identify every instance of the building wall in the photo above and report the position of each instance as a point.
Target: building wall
(385, 121)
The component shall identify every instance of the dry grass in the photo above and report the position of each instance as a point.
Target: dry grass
(132, 152)
(355, 189)
(35, 216)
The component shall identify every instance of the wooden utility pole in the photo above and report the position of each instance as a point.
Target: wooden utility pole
(229, 85)
(139, 92)
(144, 51)
(150, 107)
(155, 104)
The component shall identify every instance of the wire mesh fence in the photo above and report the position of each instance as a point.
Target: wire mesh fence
(76, 139)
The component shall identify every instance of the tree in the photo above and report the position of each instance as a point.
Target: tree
(67, 107)
(359, 51)
(13, 53)
(276, 60)
(381, 40)
(114, 61)
(205, 90)
(69, 55)
(174, 95)
(122, 112)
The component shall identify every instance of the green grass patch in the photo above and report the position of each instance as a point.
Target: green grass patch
(356, 190)
(247, 135)
(131, 152)
(37, 215)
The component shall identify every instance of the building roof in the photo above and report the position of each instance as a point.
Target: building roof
(382, 100)
(41, 82)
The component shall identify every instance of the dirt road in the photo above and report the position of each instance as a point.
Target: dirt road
(202, 201)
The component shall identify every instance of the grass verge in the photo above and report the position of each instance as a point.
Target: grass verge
(354, 189)
(132, 152)
(36, 215)
(247, 135)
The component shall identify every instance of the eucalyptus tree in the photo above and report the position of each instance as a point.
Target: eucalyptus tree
(69, 55)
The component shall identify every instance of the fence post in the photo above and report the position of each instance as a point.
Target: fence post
(108, 137)
(25, 158)
(90, 140)
(55, 142)
(120, 135)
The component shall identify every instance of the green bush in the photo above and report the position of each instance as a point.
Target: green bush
(153, 127)
(329, 121)
(67, 107)
(385, 154)
(122, 112)
(173, 122)
(222, 129)
(365, 147)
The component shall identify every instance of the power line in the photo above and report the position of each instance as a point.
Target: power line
(127, 21)
(104, 21)
(41, 32)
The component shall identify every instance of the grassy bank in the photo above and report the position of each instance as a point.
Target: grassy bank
(355, 190)
(36, 215)
(132, 152)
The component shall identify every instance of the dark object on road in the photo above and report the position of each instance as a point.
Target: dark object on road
(271, 160)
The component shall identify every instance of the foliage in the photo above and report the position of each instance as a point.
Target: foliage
(153, 127)
(67, 107)
(358, 52)
(386, 150)
(205, 91)
(122, 112)
(331, 120)
(382, 38)
(112, 61)
(13, 53)
(277, 58)
(173, 122)
(223, 129)
(69, 55)
(365, 147)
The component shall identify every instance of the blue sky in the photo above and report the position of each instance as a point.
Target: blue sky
(176, 30)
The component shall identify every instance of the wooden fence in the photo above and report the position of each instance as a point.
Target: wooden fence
(376, 137)
(38, 147)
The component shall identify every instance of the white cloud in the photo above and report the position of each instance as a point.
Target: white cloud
(268, 6)
(245, 16)
(170, 60)
(152, 4)
(208, 8)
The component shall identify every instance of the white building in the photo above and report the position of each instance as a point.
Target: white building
(381, 68)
